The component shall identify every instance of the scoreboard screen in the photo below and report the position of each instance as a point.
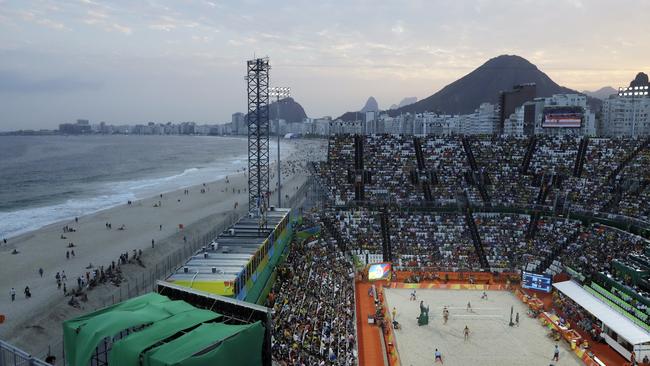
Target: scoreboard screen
(534, 281)
(563, 117)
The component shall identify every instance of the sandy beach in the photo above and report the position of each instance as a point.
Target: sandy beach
(34, 323)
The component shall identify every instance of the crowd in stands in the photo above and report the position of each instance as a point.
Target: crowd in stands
(501, 161)
(417, 239)
(390, 161)
(593, 190)
(446, 157)
(635, 180)
(313, 300)
(390, 158)
(491, 172)
(597, 246)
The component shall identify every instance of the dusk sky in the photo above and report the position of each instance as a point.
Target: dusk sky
(133, 61)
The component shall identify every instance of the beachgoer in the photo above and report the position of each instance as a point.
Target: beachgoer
(67, 254)
(469, 307)
(160, 227)
(72, 252)
(517, 319)
(28, 293)
(438, 356)
(556, 354)
(466, 332)
(40, 272)
(152, 243)
(13, 294)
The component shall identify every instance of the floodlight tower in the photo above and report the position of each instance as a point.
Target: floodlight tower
(279, 92)
(257, 78)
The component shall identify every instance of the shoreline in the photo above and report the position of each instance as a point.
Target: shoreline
(95, 243)
(136, 193)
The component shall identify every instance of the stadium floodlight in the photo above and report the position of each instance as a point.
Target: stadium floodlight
(280, 92)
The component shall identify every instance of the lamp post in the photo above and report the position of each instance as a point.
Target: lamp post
(279, 93)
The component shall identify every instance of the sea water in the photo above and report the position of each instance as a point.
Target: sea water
(45, 179)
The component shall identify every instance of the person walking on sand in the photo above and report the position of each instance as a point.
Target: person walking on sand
(40, 272)
(394, 313)
(13, 294)
(517, 320)
(152, 243)
(469, 307)
(466, 333)
(556, 354)
(160, 227)
(438, 356)
(67, 254)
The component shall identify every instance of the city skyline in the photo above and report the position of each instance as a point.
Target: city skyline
(128, 62)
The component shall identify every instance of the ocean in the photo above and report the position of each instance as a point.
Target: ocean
(45, 179)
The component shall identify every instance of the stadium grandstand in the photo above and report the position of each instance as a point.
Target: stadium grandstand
(572, 209)
(529, 242)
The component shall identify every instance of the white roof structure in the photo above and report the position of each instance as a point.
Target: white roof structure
(614, 320)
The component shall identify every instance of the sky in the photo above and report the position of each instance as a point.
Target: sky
(130, 61)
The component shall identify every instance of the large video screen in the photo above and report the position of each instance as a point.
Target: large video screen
(379, 271)
(534, 281)
(563, 117)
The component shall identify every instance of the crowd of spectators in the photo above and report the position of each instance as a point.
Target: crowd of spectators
(502, 236)
(446, 157)
(598, 245)
(313, 302)
(390, 161)
(635, 186)
(417, 239)
(501, 159)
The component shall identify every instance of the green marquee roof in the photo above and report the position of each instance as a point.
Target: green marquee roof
(162, 332)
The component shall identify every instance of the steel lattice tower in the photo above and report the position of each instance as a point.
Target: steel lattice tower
(258, 134)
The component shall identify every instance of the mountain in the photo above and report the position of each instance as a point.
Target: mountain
(290, 110)
(406, 101)
(371, 105)
(602, 93)
(484, 84)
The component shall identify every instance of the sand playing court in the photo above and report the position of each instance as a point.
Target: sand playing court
(491, 343)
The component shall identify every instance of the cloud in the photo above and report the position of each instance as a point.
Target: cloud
(397, 28)
(35, 17)
(122, 29)
(12, 82)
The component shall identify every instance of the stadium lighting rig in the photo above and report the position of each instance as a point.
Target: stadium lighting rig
(280, 92)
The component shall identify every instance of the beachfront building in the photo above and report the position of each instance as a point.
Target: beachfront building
(628, 112)
(558, 115)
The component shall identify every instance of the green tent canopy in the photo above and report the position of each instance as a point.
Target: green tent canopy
(152, 319)
(211, 344)
(126, 351)
(77, 349)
